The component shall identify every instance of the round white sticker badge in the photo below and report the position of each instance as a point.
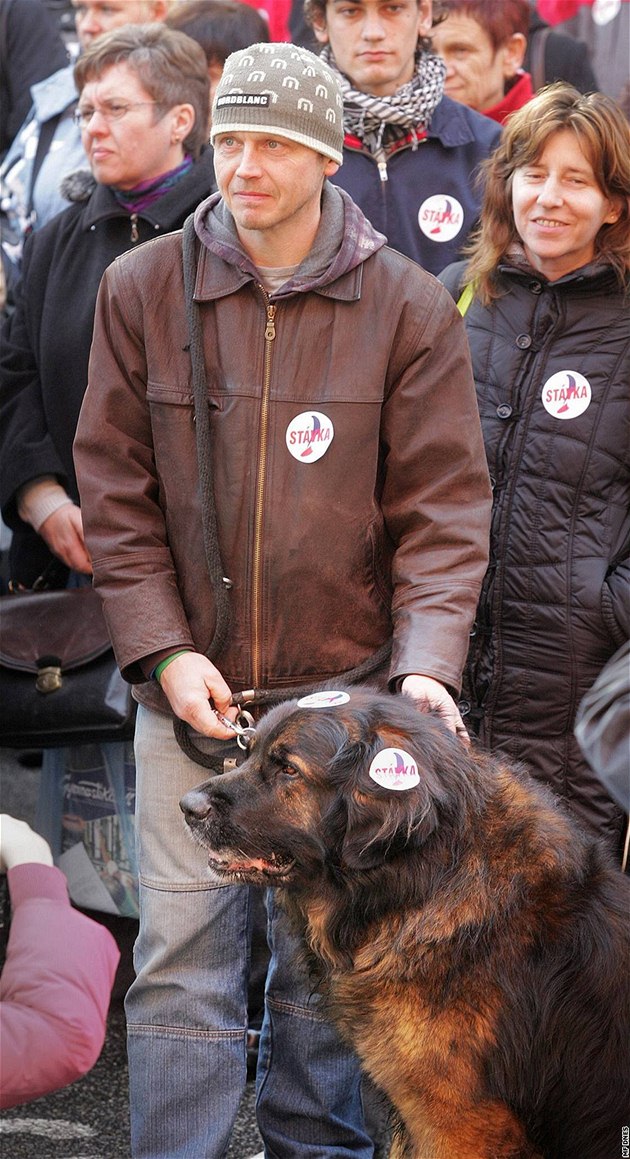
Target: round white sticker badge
(566, 394)
(603, 11)
(394, 769)
(309, 436)
(323, 699)
(440, 217)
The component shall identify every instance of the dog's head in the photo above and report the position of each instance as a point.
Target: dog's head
(343, 786)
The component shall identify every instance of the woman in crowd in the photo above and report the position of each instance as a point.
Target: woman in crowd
(143, 112)
(143, 109)
(549, 328)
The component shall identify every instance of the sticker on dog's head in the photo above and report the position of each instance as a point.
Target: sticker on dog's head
(394, 769)
(323, 699)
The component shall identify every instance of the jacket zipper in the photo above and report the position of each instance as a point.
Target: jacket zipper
(134, 228)
(270, 334)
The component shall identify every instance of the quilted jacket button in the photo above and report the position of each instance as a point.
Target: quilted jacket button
(504, 411)
(523, 341)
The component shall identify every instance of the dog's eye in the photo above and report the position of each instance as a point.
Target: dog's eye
(290, 770)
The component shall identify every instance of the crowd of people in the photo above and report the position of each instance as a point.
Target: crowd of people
(315, 361)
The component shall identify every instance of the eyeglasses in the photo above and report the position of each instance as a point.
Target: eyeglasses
(109, 111)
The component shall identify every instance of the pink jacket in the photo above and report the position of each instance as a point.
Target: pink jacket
(54, 989)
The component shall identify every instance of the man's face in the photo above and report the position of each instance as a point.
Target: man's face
(94, 17)
(272, 187)
(475, 72)
(374, 42)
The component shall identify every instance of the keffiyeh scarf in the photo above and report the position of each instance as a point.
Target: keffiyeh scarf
(378, 121)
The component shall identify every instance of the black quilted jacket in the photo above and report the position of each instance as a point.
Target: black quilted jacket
(552, 370)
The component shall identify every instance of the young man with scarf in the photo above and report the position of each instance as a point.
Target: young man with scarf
(410, 152)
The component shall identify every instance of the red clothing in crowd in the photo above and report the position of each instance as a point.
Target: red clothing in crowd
(519, 93)
(277, 13)
(555, 11)
(54, 989)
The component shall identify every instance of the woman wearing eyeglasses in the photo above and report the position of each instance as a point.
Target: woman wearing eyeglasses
(143, 111)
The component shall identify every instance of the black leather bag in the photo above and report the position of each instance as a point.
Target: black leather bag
(59, 681)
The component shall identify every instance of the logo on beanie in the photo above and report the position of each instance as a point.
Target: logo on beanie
(261, 99)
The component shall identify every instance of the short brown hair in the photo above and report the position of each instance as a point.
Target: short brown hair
(170, 66)
(603, 133)
(500, 19)
(221, 27)
(315, 15)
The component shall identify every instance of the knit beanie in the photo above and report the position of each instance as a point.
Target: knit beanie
(284, 90)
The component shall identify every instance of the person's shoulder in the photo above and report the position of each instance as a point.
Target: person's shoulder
(43, 241)
(455, 124)
(411, 283)
(400, 266)
(453, 278)
(158, 255)
(54, 94)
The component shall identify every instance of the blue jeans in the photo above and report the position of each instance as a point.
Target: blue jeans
(187, 1008)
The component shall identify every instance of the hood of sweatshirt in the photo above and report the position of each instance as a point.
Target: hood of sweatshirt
(343, 241)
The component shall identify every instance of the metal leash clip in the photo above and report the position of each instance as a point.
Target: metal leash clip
(244, 733)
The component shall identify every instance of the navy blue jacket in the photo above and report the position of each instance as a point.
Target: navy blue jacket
(425, 200)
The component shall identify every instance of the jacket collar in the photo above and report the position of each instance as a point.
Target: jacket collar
(518, 93)
(452, 124)
(345, 239)
(165, 214)
(516, 265)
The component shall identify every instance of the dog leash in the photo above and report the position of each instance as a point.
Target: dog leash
(220, 583)
(244, 727)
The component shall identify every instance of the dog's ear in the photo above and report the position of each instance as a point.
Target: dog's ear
(389, 798)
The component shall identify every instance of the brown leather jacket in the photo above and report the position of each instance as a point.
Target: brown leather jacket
(362, 355)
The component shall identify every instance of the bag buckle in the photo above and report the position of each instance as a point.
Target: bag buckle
(49, 678)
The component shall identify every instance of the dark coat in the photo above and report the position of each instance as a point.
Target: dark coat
(555, 602)
(31, 48)
(428, 204)
(46, 342)
(329, 555)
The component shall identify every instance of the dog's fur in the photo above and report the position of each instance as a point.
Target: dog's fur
(472, 941)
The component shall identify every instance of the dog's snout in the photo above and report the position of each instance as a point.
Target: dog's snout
(195, 805)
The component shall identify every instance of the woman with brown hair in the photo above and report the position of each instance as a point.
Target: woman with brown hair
(545, 296)
(143, 114)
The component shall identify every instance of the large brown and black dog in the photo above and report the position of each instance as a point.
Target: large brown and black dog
(473, 942)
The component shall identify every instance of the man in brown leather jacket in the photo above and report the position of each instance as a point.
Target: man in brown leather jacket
(343, 465)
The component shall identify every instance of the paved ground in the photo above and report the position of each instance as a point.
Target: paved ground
(89, 1119)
